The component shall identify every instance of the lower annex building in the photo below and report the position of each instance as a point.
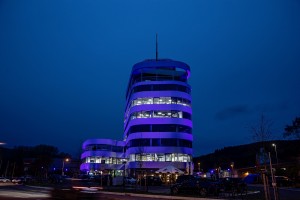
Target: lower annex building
(157, 123)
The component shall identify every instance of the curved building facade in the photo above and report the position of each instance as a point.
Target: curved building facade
(102, 155)
(158, 116)
(157, 123)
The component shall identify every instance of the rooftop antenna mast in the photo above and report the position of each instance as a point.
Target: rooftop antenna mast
(156, 51)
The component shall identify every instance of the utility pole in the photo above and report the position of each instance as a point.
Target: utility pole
(275, 146)
(266, 186)
(63, 165)
(264, 174)
(273, 179)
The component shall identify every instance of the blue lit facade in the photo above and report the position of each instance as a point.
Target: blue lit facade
(157, 120)
(158, 116)
(102, 155)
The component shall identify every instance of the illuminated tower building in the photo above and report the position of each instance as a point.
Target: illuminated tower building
(158, 116)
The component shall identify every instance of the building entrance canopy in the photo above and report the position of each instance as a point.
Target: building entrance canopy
(170, 169)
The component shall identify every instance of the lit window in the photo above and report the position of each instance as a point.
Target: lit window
(161, 157)
(161, 100)
(168, 157)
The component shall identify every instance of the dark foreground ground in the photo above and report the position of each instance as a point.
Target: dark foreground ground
(9, 191)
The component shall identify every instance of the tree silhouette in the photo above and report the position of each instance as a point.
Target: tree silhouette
(293, 130)
(261, 132)
(36, 160)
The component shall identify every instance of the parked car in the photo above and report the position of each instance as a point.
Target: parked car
(18, 180)
(233, 185)
(283, 181)
(57, 178)
(4, 180)
(182, 178)
(253, 179)
(118, 181)
(130, 180)
(152, 180)
(201, 186)
(103, 180)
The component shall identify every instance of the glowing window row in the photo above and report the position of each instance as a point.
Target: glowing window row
(161, 100)
(160, 157)
(104, 160)
(158, 100)
(160, 114)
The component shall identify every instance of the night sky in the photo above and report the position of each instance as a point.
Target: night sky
(65, 65)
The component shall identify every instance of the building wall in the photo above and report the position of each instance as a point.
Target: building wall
(102, 154)
(158, 115)
(157, 122)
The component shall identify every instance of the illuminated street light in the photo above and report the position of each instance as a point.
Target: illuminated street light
(199, 166)
(232, 165)
(63, 165)
(274, 145)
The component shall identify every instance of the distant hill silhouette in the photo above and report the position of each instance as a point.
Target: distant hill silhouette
(244, 156)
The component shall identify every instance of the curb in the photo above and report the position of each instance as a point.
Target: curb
(156, 196)
(39, 187)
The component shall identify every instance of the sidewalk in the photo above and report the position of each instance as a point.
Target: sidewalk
(155, 196)
(280, 188)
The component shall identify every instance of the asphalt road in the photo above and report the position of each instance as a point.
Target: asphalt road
(283, 192)
(9, 191)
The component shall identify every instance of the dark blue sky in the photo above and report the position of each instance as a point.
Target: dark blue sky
(64, 66)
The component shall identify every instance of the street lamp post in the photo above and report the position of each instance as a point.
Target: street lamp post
(274, 145)
(199, 169)
(232, 165)
(63, 165)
